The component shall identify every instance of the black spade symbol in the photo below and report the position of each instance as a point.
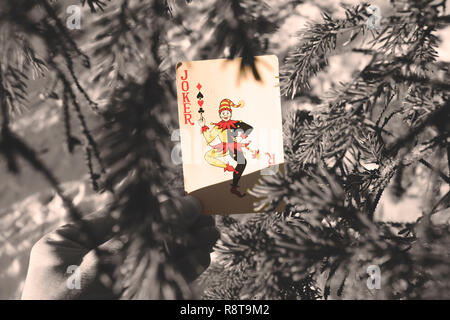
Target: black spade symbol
(199, 96)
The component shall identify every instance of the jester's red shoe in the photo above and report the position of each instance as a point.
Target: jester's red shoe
(229, 168)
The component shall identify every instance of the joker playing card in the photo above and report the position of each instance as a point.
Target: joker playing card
(231, 130)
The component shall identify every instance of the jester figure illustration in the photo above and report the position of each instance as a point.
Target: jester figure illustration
(231, 134)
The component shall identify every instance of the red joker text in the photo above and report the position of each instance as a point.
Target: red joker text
(186, 102)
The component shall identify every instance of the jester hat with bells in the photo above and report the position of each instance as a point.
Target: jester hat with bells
(227, 104)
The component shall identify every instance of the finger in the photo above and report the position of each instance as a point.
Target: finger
(199, 239)
(193, 264)
(69, 243)
(204, 238)
(101, 224)
(182, 211)
(173, 192)
(91, 231)
(204, 221)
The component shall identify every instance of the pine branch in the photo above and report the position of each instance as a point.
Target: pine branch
(318, 40)
(93, 3)
(439, 172)
(240, 27)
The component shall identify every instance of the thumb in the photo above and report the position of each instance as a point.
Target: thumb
(181, 211)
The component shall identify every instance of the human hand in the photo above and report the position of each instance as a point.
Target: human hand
(53, 255)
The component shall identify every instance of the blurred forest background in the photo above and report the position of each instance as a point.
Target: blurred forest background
(84, 109)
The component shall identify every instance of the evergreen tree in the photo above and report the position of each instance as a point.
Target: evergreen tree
(391, 117)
